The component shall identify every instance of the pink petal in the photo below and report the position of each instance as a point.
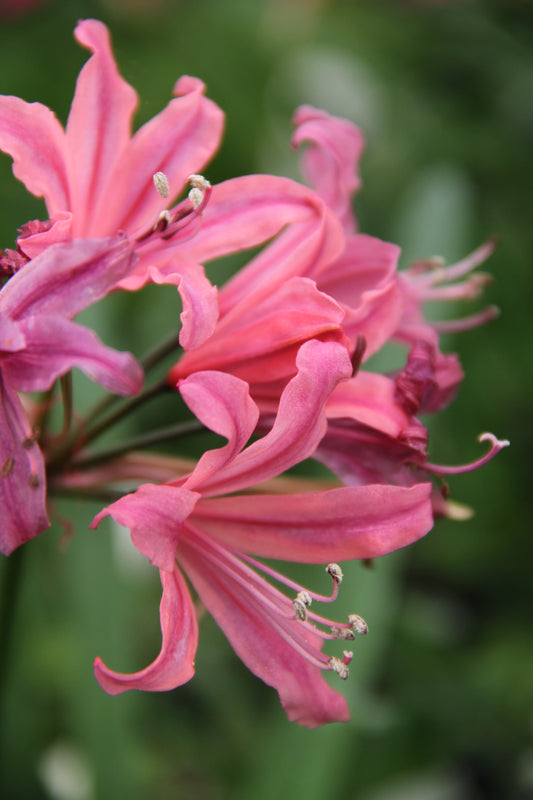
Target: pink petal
(154, 515)
(370, 399)
(331, 162)
(54, 345)
(59, 231)
(198, 296)
(32, 136)
(223, 404)
(98, 127)
(174, 665)
(304, 694)
(247, 211)
(178, 142)
(364, 280)
(67, 277)
(11, 338)
(22, 476)
(259, 342)
(300, 423)
(335, 525)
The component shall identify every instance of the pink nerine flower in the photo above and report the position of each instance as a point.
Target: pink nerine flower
(211, 521)
(97, 179)
(38, 343)
(330, 164)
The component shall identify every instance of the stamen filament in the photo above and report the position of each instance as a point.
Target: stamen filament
(495, 446)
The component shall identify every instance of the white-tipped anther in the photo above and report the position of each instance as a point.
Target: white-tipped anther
(300, 610)
(358, 624)
(304, 598)
(344, 634)
(196, 196)
(337, 665)
(335, 571)
(161, 184)
(199, 182)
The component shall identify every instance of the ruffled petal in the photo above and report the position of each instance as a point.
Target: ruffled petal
(304, 694)
(364, 280)
(22, 476)
(259, 342)
(154, 516)
(98, 128)
(223, 404)
(178, 142)
(32, 136)
(335, 525)
(174, 665)
(67, 277)
(299, 425)
(54, 345)
(331, 162)
(198, 296)
(247, 211)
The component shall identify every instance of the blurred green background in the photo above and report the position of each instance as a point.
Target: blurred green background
(441, 691)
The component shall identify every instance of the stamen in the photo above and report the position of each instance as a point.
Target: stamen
(199, 189)
(495, 446)
(358, 624)
(161, 184)
(336, 573)
(340, 665)
(344, 634)
(438, 273)
(254, 591)
(467, 323)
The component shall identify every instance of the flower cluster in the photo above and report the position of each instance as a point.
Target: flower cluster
(273, 361)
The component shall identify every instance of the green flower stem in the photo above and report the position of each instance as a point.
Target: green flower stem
(137, 442)
(160, 351)
(12, 574)
(82, 435)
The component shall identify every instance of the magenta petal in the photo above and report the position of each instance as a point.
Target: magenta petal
(174, 665)
(331, 162)
(54, 345)
(154, 515)
(300, 423)
(33, 137)
(67, 277)
(223, 404)
(179, 141)
(198, 296)
(304, 694)
(11, 338)
(335, 525)
(22, 477)
(98, 127)
(258, 342)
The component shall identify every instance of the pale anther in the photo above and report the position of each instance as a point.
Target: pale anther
(344, 634)
(358, 624)
(299, 609)
(161, 184)
(196, 196)
(304, 598)
(335, 571)
(199, 182)
(337, 665)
